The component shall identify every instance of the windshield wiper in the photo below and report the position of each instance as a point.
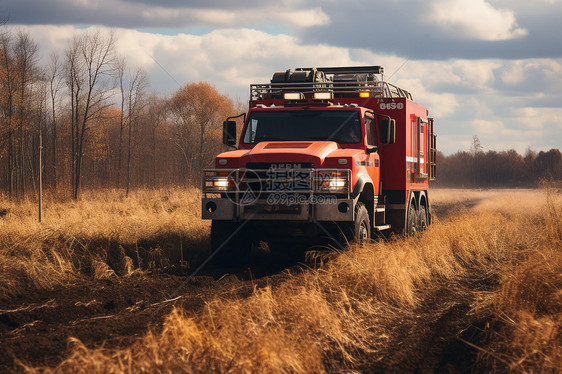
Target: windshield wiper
(321, 138)
(266, 138)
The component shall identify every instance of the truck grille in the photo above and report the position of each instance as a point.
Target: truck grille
(278, 165)
(275, 176)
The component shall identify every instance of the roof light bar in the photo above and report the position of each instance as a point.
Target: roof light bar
(293, 96)
(323, 96)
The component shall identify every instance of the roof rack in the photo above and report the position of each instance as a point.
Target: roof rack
(345, 81)
(348, 69)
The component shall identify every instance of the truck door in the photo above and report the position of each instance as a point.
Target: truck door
(421, 138)
(372, 159)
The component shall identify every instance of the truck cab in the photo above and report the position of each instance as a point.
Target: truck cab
(331, 153)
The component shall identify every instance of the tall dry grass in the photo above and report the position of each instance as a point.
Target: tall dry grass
(101, 235)
(526, 310)
(343, 314)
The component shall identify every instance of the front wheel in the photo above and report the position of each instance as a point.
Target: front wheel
(359, 230)
(362, 224)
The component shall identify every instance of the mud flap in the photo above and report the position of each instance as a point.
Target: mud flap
(398, 221)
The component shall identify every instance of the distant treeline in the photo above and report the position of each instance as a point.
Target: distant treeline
(498, 169)
(97, 124)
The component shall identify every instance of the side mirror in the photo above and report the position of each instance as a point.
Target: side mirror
(229, 133)
(387, 131)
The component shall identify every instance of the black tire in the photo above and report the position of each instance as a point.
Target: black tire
(411, 220)
(231, 249)
(422, 219)
(358, 231)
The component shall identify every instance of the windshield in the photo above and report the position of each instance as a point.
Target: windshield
(339, 126)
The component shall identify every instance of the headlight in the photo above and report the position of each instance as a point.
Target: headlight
(337, 183)
(219, 182)
(222, 183)
(333, 182)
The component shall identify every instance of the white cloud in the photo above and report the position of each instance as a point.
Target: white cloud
(229, 58)
(439, 104)
(459, 75)
(479, 108)
(532, 75)
(477, 75)
(158, 13)
(445, 76)
(263, 16)
(90, 4)
(49, 38)
(540, 118)
(482, 126)
(269, 15)
(214, 16)
(462, 95)
(138, 50)
(305, 18)
(475, 19)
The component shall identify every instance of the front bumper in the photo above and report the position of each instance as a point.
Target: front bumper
(302, 194)
(323, 210)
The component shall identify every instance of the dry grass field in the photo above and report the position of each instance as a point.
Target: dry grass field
(100, 236)
(97, 288)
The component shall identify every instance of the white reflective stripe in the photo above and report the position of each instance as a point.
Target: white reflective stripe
(414, 159)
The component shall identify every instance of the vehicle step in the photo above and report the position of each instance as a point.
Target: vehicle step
(382, 227)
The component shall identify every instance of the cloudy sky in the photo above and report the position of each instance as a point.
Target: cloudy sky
(491, 68)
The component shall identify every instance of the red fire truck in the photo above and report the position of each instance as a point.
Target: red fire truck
(322, 152)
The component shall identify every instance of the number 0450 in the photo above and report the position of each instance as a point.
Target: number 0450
(392, 106)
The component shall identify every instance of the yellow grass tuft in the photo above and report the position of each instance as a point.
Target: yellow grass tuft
(527, 308)
(100, 235)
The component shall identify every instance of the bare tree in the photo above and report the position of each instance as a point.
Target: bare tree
(55, 81)
(74, 83)
(7, 131)
(135, 93)
(89, 60)
(155, 116)
(198, 109)
(26, 61)
(18, 61)
(121, 71)
(159, 140)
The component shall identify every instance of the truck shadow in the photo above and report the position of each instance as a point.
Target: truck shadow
(259, 264)
(175, 254)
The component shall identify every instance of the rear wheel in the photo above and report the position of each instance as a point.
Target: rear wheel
(422, 218)
(411, 220)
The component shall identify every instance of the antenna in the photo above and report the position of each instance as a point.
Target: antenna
(400, 67)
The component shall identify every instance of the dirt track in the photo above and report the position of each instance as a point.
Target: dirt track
(36, 328)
